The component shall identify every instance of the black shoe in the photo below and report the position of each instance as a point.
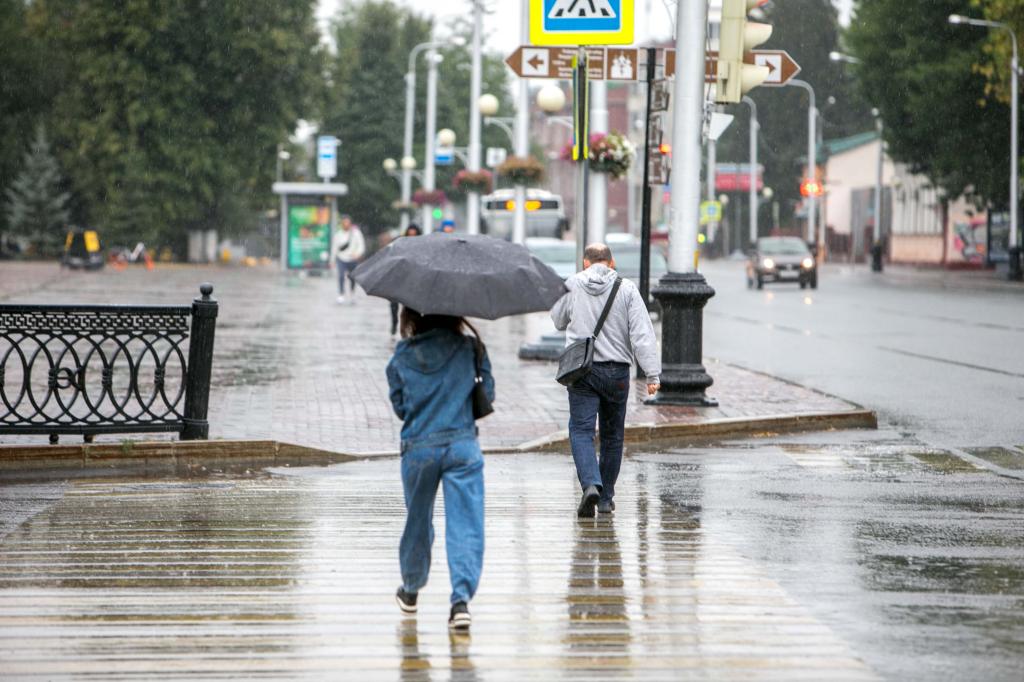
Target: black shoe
(589, 501)
(605, 507)
(406, 601)
(459, 618)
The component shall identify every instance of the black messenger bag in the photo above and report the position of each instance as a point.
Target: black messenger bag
(575, 361)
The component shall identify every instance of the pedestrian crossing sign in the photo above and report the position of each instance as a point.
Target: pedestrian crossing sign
(581, 22)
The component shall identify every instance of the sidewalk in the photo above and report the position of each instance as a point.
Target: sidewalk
(293, 366)
(933, 276)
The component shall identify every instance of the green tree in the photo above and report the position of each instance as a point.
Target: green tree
(939, 117)
(24, 90)
(808, 30)
(36, 207)
(366, 101)
(169, 114)
(999, 50)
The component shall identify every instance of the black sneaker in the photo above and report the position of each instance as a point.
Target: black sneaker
(587, 504)
(459, 618)
(605, 507)
(406, 601)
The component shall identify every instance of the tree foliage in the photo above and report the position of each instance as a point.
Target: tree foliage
(809, 31)
(999, 49)
(168, 114)
(940, 118)
(366, 100)
(36, 207)
(24, 90)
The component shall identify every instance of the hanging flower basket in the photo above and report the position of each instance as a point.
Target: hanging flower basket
(612, 153)
(422, 197)
(480, 182)
(522, 170)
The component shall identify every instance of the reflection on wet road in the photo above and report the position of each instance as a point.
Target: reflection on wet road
(792, 559)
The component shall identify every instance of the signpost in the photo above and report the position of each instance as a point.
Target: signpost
(327, 156)
(630, 63)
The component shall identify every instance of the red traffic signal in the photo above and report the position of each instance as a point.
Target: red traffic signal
(811, 188)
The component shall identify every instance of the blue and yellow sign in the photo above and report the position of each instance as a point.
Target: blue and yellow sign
(581, 22)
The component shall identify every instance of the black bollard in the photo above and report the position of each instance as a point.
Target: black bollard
(200, 365)
(876, 257)
(1014, 274)
(683, 378)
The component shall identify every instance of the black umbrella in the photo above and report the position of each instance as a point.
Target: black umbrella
(461, 275)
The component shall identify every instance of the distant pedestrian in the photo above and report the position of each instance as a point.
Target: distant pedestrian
(349, 249)
(431, 378)
(600, 396)
(448, 225)
(413, 230)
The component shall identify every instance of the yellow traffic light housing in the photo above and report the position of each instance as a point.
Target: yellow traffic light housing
(737, 37)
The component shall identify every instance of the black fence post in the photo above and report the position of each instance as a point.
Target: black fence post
(200, 365)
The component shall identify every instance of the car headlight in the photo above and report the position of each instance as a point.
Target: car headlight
(768, 263)
(808, 263)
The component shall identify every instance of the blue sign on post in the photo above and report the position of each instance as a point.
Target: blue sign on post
(581, 22)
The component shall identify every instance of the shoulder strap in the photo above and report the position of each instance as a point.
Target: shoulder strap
(607, 307)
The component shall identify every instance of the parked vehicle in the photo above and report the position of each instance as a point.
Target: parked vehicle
(781, 259)
(82, 250)
(557, 254)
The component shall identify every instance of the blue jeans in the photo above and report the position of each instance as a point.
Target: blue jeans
(459, 466)
(345, 268)
(600, 397)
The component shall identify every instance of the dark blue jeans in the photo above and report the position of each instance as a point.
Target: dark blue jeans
(599, 399)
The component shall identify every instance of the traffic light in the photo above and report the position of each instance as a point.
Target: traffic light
(811, 188)
(737, 37)
(665, 149)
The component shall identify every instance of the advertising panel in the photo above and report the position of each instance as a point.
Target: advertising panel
(309, 236)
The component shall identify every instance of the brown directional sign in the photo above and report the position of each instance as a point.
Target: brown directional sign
(530, 61)
(781, 67)
(626, 63)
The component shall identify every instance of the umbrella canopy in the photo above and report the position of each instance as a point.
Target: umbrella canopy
(461, 275)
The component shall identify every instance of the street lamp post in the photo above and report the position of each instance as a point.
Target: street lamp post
(1014, 241)
(489, 106)
(429, 163)
(683, 292)
(522, 143)
(473, 152)
(876, 246)
(755, 127)
(812, 154)
(410, 111)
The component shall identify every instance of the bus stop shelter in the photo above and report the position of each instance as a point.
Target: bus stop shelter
(309, 218)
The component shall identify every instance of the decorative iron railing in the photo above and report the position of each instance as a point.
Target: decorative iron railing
(93, 369)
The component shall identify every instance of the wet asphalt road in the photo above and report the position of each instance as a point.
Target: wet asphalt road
(822, 557)
(943, 364)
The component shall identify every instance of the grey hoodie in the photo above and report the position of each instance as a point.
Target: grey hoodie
(627, 332)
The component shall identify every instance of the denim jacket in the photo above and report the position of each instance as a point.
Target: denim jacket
(431, 378)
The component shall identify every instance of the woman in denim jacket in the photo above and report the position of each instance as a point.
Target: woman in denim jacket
(431, 378)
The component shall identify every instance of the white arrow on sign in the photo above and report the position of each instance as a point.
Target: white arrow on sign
(774, 64)
(535, 62)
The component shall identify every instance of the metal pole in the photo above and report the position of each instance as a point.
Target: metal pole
(1014, 143)
(710, 176)
(683, 292)
(284, 232)
(754, 128)
(876, 246)
(645, 211)
(580, 92)
(522, 123)
(812, 155)
(428, 165)
(597, 223)
(410, 106)
(473, 152)
(200, 365)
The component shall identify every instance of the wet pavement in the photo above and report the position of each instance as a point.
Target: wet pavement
(293, 366)
(819, 557)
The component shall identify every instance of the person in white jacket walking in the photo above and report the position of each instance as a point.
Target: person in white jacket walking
(601, 395)
(349, 248)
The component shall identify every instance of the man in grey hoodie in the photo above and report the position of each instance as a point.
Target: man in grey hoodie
(600, 397)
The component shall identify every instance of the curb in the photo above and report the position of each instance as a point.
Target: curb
(190, 458)
(155, 458)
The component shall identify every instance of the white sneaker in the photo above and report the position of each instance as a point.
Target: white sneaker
(341, 299)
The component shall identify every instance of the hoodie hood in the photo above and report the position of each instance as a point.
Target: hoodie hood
(596, 279)
(429, 352)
